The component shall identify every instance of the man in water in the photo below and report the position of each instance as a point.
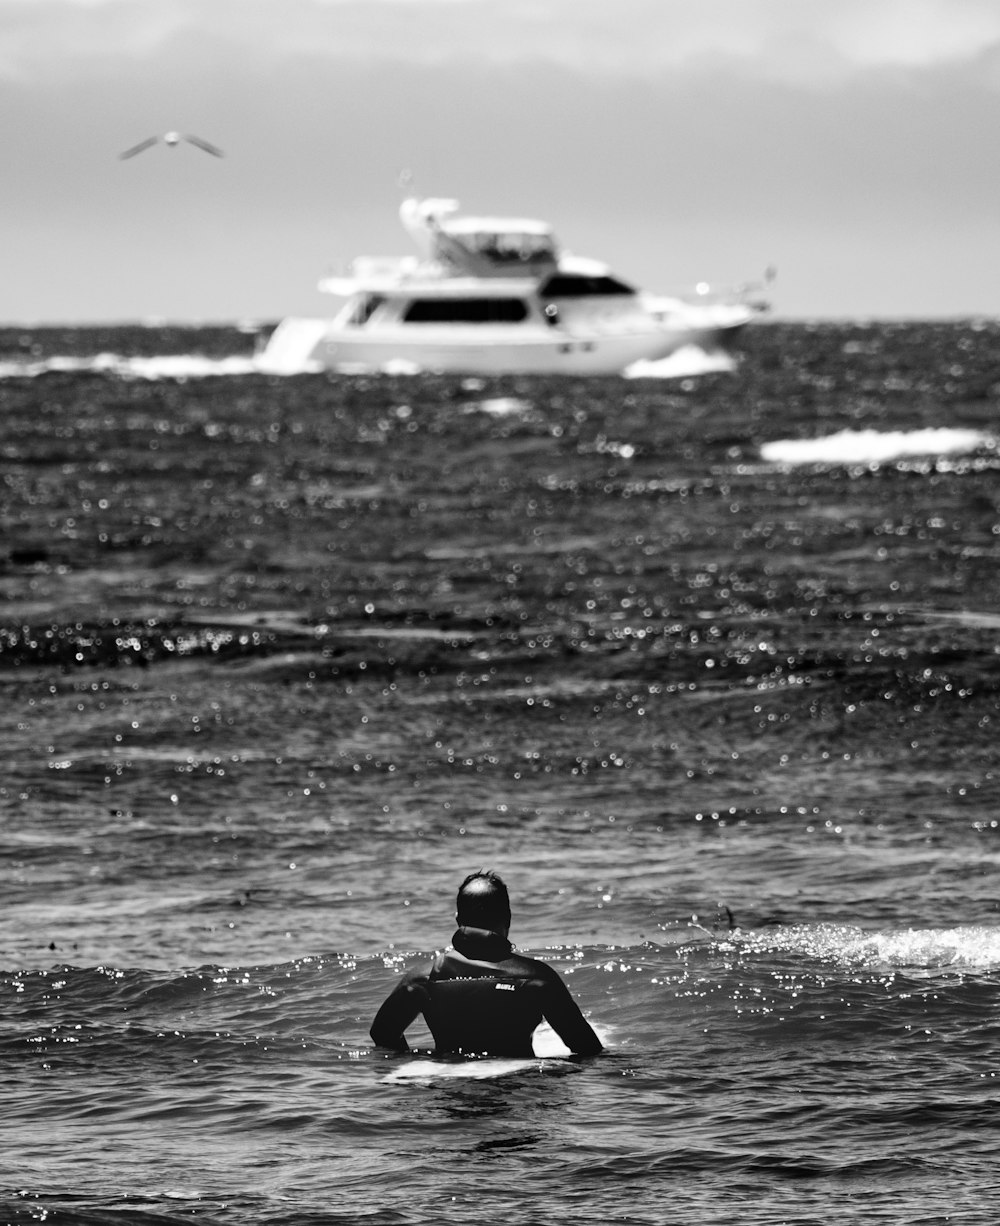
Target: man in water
(479, 997)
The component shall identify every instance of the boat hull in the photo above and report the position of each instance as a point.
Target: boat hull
(327, 345)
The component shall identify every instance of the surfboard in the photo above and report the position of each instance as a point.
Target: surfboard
(457, 1070)
(452, 1070)
(549, 1051)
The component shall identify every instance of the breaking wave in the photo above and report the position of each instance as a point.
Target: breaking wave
(971, 948)
(876, 447)
(167, 366)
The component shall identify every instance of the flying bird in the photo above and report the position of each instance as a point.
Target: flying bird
(171, 139)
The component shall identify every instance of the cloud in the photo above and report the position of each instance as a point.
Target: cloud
(800, 41)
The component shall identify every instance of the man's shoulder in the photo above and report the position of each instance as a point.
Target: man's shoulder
(421, 972)
(533, 968)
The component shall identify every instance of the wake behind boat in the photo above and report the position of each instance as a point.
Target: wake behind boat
(488, 295)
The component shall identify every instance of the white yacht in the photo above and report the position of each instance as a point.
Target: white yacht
(489, 296)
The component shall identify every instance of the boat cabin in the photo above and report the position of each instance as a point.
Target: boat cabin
(433, 308)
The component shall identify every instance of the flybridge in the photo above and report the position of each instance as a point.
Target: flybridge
(480, 246)
(499, 242)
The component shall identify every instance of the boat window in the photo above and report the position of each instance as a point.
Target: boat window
(577, 285)
(364, 308)
(465, 311)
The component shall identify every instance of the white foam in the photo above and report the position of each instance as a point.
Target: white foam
(685, 362)
(500, 406)
(874, 446)
(167, 366)
(966, 948)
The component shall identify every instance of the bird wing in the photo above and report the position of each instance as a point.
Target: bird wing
(143, 144)
(204, 144)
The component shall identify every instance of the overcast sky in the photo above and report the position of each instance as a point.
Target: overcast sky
(850, 143)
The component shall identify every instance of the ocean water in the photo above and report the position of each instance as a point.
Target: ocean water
(707, 667)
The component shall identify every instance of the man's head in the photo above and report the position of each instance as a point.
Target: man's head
(483, 902)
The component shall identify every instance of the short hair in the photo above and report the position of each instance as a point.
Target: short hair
(483, 901)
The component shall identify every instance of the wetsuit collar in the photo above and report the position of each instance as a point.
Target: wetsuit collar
(481, 944)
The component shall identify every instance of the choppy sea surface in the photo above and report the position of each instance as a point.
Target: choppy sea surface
(707, 667)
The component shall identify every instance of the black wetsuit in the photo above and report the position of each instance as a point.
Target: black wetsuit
(480, 998)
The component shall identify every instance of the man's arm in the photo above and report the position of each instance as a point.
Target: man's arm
(398, 1010)
(563, 1014)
